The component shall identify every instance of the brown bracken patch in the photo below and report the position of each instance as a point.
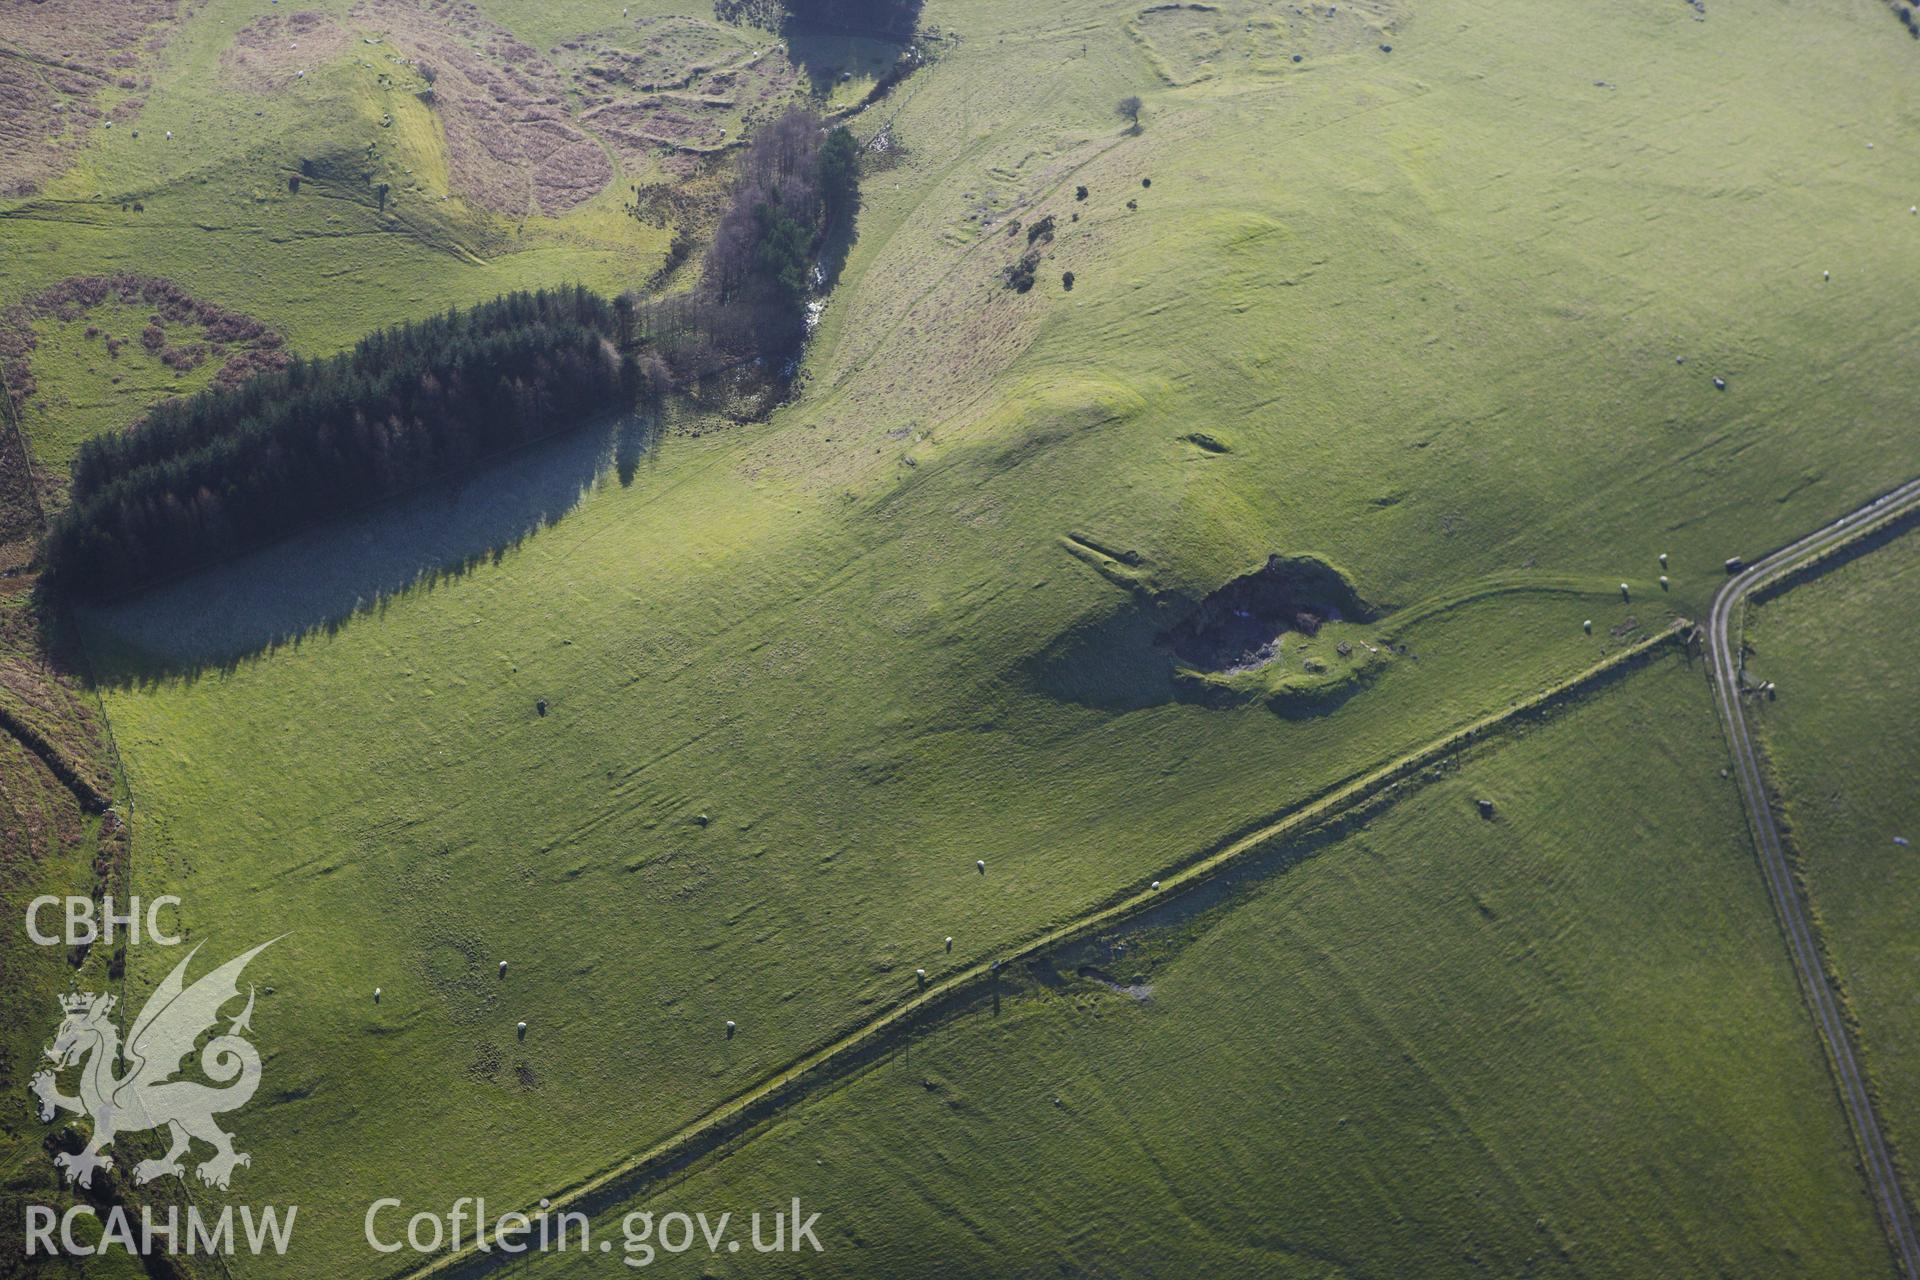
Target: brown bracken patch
(19, 507)
(678, 91)
(57, 58)
(245, 345)
(271, 52)
(512, 145)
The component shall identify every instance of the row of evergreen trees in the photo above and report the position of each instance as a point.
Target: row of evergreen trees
(796, 184)
(228, 469)
(215, 473)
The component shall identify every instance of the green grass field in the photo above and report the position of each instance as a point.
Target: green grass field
(98, 392)
(1564, 1042)
(49, 844)
(1427, 308)
(1843, 747)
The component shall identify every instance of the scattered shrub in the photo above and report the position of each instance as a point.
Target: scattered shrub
(1019, 276)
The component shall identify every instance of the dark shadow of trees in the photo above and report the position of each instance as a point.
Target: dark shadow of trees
(319, 580)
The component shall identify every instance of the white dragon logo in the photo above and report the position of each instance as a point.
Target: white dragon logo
(162, 1038)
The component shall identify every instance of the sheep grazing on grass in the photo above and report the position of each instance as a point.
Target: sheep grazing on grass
(1719, 384)
(503, 968)
(981, 866)
(949, 945)
(520, 1029)
(1625, 592)
(376, 995)
(1587, 626)
(1663, 559)
(1156, 884)
(730, 1028)
(1663, 582)
(920, 976)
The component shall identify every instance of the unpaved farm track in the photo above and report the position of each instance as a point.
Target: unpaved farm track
(1723, 640)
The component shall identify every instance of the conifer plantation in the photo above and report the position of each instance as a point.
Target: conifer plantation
(206, 476)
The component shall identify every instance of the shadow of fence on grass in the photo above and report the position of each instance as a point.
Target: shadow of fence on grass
(319, 580)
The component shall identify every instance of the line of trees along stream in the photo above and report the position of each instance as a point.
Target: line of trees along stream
(204, 477)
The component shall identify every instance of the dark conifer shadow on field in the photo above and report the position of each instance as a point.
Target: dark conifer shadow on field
(836, 245)
(318, 581)
(870, 41)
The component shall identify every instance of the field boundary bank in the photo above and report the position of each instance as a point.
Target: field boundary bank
(862, 1044)
(1871, 538)
(68, 776)
(1831, 971)
(30, 738)
(1868, 527)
